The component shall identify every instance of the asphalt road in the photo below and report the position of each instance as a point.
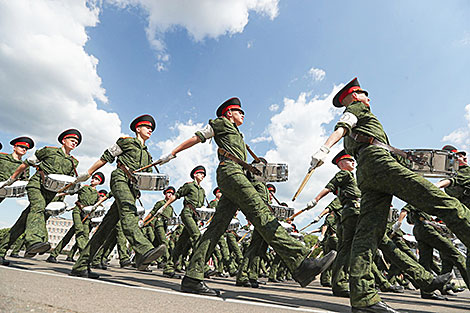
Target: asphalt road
(33, 285)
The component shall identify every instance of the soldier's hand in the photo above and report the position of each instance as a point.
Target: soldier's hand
(166, 158)
(316, 219)
(396, 227)
(320, 238)
(83, 177)
(7, 183)
(311, 204)
(140, 223)
(318, 157)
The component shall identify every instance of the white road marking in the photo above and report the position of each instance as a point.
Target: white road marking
(172, 292)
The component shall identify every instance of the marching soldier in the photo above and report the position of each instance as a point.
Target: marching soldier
(131, 154)
(87, 196)
(380, 177)
(10, 162)
(48, 160)
(238, 192)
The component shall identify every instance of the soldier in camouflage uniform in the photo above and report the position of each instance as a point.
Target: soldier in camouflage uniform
(160, 229)
(381, 175)
(131, 154)
(238, 192)
(10, 162)
(87, 196)
(194, 196)
(48, 160)
(330, 241)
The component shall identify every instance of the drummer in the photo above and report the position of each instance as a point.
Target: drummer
(160, 228)
(10, 162)
(47, 160)
(131, 154)
(239, 193)
(87, 196)
(194, 196)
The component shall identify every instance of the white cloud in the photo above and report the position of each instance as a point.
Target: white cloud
(48, 82)
(460, 137)
(201, 19)
(261, 139)
(200, 154)
(249, 44)
(316, 74)
(298, 131)
(189, 93)
(274, 107)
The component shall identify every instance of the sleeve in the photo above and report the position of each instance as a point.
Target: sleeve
(182, 191)
(110, 154)
(157, 206)
(408, 208)
(335, 182)
(349, 119)
(206, 133)
(37, 157)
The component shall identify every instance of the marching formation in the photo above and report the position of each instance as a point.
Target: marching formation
(364, 250)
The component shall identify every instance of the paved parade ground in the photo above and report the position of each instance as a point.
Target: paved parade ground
(33, 285)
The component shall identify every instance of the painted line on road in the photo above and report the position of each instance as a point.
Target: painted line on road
(172, 292)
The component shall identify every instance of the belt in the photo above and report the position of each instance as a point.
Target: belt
(127, 172)
(225, 155)
(373, 141)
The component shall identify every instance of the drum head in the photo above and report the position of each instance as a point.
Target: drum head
(61, 177)
(97, 220)
(87, 209)
(56, 206)
(19, 183)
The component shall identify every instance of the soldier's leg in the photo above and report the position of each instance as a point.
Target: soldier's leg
(225, 255)
(19, 243)
(15, 232)
(61, 245)
(125, 198)
(36, 231)
(255, 261)
(109, 222)
(180, 247)
(274, 268)
(160, 238)
(340, 267)
(72, 252)
(234, 247)
(330, 244)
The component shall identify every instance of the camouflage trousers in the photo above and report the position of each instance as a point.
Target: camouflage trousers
(115, 238)
(250, 266)
(380, 177)
(19, 243)
(331, 243)
(189, 236)
(160, 238)
(238, 192)
(429, 239)
(15, 232)
(123, 209)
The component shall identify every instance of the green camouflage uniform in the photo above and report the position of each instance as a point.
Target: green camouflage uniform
(160, 230)
(32, 221)
(238, 192)
(134, 156)
(344, 185)
(87, 196)
(380, 176)
(330, 241)
(429, 238)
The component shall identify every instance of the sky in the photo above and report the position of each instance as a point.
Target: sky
(96, 65)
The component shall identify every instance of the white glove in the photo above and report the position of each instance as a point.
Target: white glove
(140, 223)
(311, 204)
(166, 158)
(318, 156)
(83, 177)
(316, 219)
(396, 227)
(7, 183)
(320, 238)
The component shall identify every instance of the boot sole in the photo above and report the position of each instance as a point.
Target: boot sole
(41, 249)
(159, 251)
(306, 282)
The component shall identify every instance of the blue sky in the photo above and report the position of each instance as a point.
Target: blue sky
(96, 67)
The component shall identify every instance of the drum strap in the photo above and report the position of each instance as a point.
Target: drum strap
(372, 141)
(127, 172)
(78, 203)
(41, 173)
(246, 166)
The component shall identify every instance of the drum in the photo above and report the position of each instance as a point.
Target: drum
(140, 211)
(151, 181)
(234, 225)
(282, 212)
(17, 189)
(433, 163)
(393, 215)
(87, 209)
(100, 211)
(174, 221)
(287, 226)
(272, 172)
(96, 220)
(205, 213)
(55, 182)
(56, 208)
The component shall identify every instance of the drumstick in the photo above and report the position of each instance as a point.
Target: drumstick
(304, 182)
(307, 226)
(157, 162)
(95, 206)
(295, 215)
(66, 187)
(243, 237)
(272, 194)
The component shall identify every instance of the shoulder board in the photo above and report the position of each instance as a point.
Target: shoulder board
(127, 137)
(52, 147)
(4, 153)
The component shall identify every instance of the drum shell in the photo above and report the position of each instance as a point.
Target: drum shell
(151, 181)
(204, 214)
(234, 225)
(174, 221)
(435, 163)
(15, 190)
(55, 182)
(56, 208)
(282, 212)
(272, 172)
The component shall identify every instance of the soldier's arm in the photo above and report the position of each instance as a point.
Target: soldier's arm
(336, 136)
(443, 183)
(188, 143)
(20, 169)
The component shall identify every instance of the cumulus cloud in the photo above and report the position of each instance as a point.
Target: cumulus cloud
(316, 74)
(297, 131)
(200, 154)
(201, 19)
(461, 137)
(48, 82)
(261, 139)
(274, 107)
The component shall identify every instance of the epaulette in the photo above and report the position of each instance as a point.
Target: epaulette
(52, 147)
(127, 137)
(4, 153)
